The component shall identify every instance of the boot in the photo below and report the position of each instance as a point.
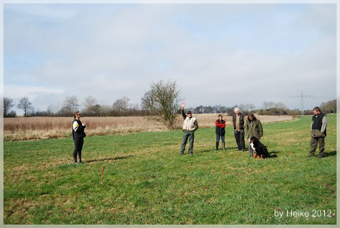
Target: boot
(80, 158)
(223, 146)
(74, 157)
(217, 145)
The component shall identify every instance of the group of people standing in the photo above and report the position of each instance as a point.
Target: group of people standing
(251, 127)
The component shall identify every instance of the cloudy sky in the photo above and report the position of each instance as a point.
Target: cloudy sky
(227, 54)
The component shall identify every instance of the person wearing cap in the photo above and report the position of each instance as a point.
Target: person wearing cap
(190, 125)
(220, 131)
(318, 133)
(238, 124)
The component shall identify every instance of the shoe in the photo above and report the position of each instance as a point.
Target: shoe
(81, 162)
(320, 156)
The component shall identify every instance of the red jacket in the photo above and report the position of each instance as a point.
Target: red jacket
(220, 125)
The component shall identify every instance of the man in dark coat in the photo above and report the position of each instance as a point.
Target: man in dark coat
(318, 133)
(238, 124)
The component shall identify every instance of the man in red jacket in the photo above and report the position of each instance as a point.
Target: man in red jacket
(220, 131)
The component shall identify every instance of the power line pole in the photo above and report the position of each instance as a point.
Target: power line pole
(302, 96)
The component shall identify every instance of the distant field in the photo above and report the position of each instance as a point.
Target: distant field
(55, 127)
(146, 181)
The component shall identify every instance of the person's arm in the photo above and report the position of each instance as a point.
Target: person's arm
(196, 125)
(324, 124)
(78, 128)
(223, 125)
(75, 126)
(260, 128)
(220, 125)
(182, 111)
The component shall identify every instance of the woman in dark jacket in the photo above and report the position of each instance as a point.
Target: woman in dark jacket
(220, 131)
(78, 132)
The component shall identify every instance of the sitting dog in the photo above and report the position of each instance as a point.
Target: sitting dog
(260, 151)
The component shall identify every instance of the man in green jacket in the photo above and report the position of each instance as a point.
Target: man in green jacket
(318, 132)
(253, 128)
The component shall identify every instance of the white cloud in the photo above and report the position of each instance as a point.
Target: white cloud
(218, 54)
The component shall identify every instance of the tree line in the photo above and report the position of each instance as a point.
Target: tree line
(161, 100)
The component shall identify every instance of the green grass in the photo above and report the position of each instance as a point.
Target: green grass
(146, 181)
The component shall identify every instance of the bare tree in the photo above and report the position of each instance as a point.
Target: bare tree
(121, 105)
(25, 105)
(328, 107)
(163, 99)
(53, 109)
(91, 106)
(8, 104)
(247, 107)
(70, 105)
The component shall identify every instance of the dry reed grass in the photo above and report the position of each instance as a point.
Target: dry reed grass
(55, 127)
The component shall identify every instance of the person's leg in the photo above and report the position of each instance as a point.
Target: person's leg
(313, 146)
(223, 142)
(242, 144)
(184, 142)
(217, 140)
(237, 138)
(321, 142)
(81, 143)
(251, 152)
(77, 148)
(191, 141)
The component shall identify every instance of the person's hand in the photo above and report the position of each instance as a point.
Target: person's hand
(84, 124)
(182, 105)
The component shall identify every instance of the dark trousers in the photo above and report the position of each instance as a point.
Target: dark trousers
(191, 136)
(239, 137)
(78, 146)
(314, 143)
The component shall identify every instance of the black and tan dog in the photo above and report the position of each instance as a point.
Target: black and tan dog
(260, 151)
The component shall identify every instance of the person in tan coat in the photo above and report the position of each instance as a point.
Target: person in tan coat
(190, 125)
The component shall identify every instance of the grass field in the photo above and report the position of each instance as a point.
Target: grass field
(146, 181)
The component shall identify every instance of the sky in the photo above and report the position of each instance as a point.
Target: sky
(218, 54)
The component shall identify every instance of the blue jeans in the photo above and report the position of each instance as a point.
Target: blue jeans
(218, 138)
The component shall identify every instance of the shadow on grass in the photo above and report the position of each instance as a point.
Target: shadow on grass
(108, 159)
(227, 149)
(329, 154)
(273, 154)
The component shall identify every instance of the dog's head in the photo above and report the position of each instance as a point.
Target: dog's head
(253, 139)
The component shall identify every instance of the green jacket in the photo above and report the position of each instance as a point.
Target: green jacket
(254, 128)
